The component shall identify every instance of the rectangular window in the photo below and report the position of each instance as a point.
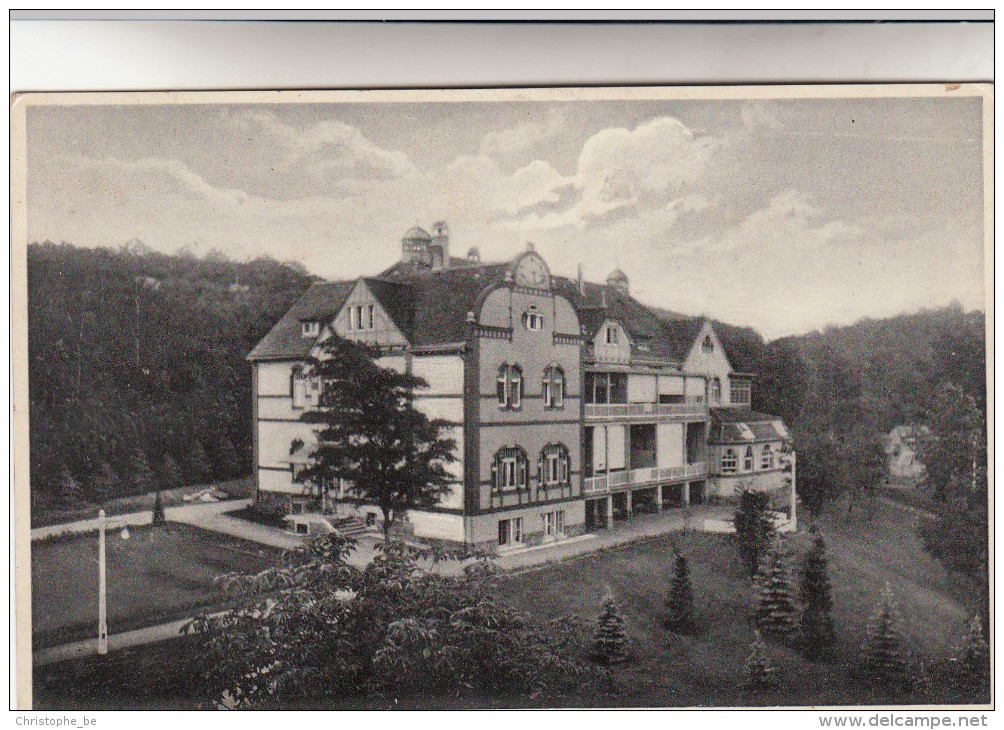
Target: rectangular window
(748, 460)
(611, 335)
(767, 462)
(548, 403)
(618, 388)
(729, 461)
(511, 531)
(370, 317)
(359, 316)
(554, 523)
(509, 472)
(552, 469)
(311, 329)
(739, 391)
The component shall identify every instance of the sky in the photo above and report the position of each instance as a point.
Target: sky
(785, 215)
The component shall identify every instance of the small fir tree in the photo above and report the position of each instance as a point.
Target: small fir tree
(140, 472)
(611, 644)
(775, 610)
(883, 659)
(973, 661)
(170, 473)
(754, 529)
(159, 518)
(104, 483)
(197, 465)
(70, 491)
(759, 673)
(680, 601)
(816, 622)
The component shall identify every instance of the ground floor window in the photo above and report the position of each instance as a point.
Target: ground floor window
(554, 523)
(511, 531)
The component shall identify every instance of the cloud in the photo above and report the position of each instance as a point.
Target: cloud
(623, 172)
(789, 220)
(526, 139)
(330, 148)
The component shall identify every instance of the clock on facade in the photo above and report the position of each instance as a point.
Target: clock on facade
(532, 272)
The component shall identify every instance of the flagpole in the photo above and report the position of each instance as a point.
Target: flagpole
(102, 597)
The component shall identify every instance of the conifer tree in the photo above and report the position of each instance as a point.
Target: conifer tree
(816, 623)
(159, 518)
(140, 472)
(611, 644)
(680, 601)
(759, 673)
(170, 473)
(775, 610)
(197, 464)
(973, 661)
(70, 491)
(104, 484)
(754, 529)
(883, 658)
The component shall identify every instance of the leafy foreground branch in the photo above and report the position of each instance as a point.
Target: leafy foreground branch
(316, 630)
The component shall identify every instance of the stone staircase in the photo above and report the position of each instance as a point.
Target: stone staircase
(348, 526)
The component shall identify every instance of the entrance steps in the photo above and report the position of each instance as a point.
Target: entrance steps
(349, 526)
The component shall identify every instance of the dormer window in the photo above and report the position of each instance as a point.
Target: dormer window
(707, 346)
(310, 328)
(533, 320)
(611, 334)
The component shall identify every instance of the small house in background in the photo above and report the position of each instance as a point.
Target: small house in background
(901, 448)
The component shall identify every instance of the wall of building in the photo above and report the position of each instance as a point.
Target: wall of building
(482, 530)
(531, 426)
(712, 364)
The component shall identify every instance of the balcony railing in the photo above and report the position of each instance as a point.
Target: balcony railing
(595, 411)
(603, 483)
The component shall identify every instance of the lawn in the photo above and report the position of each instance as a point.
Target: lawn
(158, 574)
(706, 669)
(668, 670)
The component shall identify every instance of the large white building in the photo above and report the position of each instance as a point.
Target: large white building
(576, 403)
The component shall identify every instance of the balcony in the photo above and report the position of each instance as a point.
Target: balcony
(615, 411)
(630, 478)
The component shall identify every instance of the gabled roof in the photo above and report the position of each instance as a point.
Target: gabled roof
(736, 424)
(321, 301)
(430, 306)
(597, 303)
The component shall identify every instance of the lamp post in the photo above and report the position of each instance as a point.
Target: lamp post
(102, 590)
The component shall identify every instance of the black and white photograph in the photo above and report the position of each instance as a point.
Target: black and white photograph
(539, 398)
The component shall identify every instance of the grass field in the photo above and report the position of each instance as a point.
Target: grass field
(705, 669)
(670, 670)
(158, 574)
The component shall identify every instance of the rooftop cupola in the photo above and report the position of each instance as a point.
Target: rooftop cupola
(619, 281)
(440, 245)
(415, 246)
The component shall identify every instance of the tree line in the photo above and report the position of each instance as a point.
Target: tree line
(136, 367)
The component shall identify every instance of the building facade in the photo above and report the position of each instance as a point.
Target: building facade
(576, 405)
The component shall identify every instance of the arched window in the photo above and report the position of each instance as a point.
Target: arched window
(707, 345)
(552, 465)
(509, 386)
(748, 459)
(729, 461)
(767, 457)
(554, 387)
(509, 469)
(716, 391)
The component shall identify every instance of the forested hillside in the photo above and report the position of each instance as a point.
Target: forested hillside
(136, 365)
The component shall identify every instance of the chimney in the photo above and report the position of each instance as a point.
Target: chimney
(581, 284)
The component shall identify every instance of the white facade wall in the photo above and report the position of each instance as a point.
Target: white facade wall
(670, 385)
